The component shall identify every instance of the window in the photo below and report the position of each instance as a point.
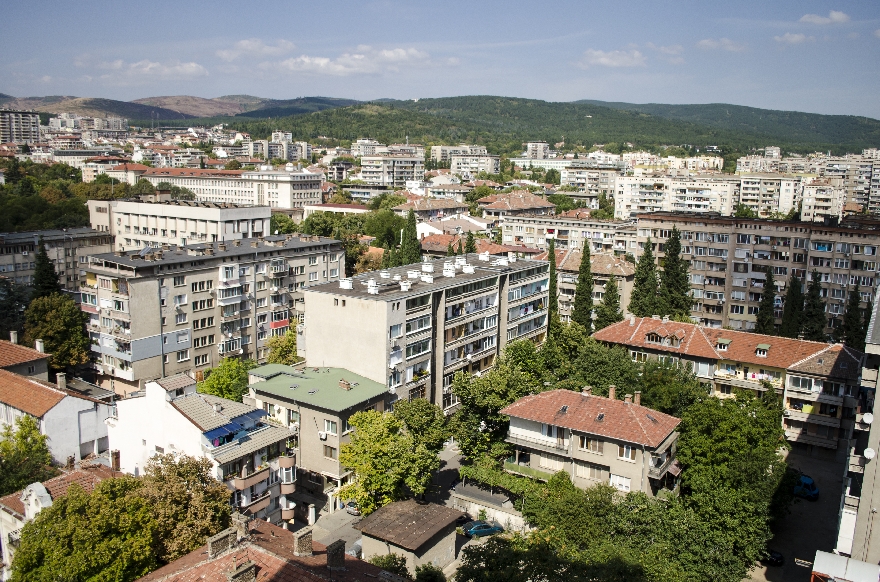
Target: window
(798, 383)
(620, 483)
(313, 276)
(180, 318)
(417, 324)
(201, 360)
(395, 331)
(551, 462)
(590, 444)
(590, 471)
(179, 281)
(313, 260)
(179, 299)
(330, 452)
(334, 272)
(203, 323)
(198, 286)
(418, 348)
(229, 272)
(182, 355)
(627, 452)
(330, 427)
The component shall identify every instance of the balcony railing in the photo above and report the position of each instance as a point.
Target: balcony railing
(549, 445)
(527, 471)
(258, 503)
(242, 483)
(658, 472)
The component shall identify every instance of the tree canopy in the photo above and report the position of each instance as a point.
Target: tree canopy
(608, 311)
(765, 318)
(582, 310)
(643, 300)
(45, 278)
(59, 322)
(813, 326)
(793, 309)
(24, 455)
(675, 288)
(282, 349)
(228, 380)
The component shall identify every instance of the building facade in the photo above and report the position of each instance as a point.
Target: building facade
(180, 309)
(415, 326)
(570, 232)
(68, 250)
(19, 126)
(473, 164)
(443, 153)
(392, 170)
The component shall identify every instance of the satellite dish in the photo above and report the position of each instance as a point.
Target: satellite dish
(869, 454)
(868, 418)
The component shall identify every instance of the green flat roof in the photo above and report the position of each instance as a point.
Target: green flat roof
(318, 389)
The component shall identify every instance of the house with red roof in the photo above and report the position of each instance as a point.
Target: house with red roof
(594, 439)
(818, 382)
(437, 246)
(515, 203)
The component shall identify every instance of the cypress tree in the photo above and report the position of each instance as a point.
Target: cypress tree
(675, 289)
(814, 311)
(608, 311)
(553, 301)
(852, 332)
(765, 307)
(643, 300)
(583, 293)
(471, 245)
(45, 278)
(497, 237)
(866, 320)
(793, 310)
(460, 251)
(450, 252)
(410, 249)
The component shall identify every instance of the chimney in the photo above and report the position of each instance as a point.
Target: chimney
(336, 556)
(221, 542)
(302, 542)
(665, 319)
(114, 460)
(611, 391)
(71, 462)
(632, 319)
(588, 390)
(628, 398)
(61, 380)
(218, 407)
(38, 345)
(247, 572)
(240, 523)
(345, 384)
(657, 317)
(638, 399)
(221, 246)
(13, 337)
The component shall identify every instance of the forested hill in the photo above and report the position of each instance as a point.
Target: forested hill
(792, 126)
(504, 123)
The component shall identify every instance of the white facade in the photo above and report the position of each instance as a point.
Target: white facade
(443, 153)
(637, 194)
(472, 165)
(537, 150)
(821, 199)
(365, 147)
(392, 170)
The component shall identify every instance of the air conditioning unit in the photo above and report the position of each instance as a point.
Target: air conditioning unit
(24, 253)
(322, 435)
(274, 289)
(786, 413)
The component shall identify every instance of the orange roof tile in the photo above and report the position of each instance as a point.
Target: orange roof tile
(86, 476)
(12, 354)
(27, 394)
(600, 263)
(516, 200)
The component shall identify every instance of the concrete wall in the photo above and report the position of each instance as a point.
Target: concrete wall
(439, 550)
(74, 422)
(509, 518)
(40, 369)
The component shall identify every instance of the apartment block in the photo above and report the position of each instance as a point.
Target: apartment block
(570, 232)
(516, 203)
(537, 150)
(823, 199)
(444, 153)
(769, 194)
(473, 164)
(68, 250)
(392, 170)
(427, 209)
(289, 188)
(19, 126)
(590, 182)
(729, 259)
(180, 309)
(137, 224)
(414, 327)
(365, 147)
(638, 194)
(315, 404)
(594, 439)
(818, 382)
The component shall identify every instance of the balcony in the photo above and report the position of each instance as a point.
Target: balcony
(857, 463)
(242, 483)
(869, 378)
(658, 471)
(231, 317)
(526, 471)
(287, 514)
(287, 461)
(550, 446)
(258, 503)
(811, 417)
(800, 436)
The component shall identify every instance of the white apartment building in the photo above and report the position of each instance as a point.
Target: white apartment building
(68, 250)
(19, 126)
(537, 150)
(137, 224)
(823, 198)
(392, 170)
(443, 153)
(604, 236)
(180, 309)
(413, 327)
(473, 164)
(769, 194)
(365, 147)
(590, 182)
(288, 188)
(639, 194)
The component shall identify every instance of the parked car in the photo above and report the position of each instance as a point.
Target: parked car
(773, 558)
(806, 488)
(463, 519)
(475, 529)
(352, 508)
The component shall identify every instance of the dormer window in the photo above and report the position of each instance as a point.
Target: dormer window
(653, 338)
(761, 350)
(722, 345)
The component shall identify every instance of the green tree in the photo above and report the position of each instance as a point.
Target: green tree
(460, 250)
(450, 252)
(424, 421)
(410, 248)
(394, 563)
(675, 288)
(58, 321)
(496, 237)
(669, 388)
(470, 246)
(386, 201)
(601, 366)
(429, 573)
(282, 349)
(608, 311)
(385, 226)
(142, 188)
(582, 310)
(765, 318)
(106, 535)
(743, 211)
(282, 224)
(553, 299)
(562, 202)
(852, 332)
(643, 300)
(188, 504)
(45, 278)
(232, 165)
(388, 461)
(228, 380)
(14, 299)
(793, 309)
(24, 455)
(813, 327)
(552, 177)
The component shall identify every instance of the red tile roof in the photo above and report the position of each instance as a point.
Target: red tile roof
(431, 204)
(87, 476)
(347, 206)
(600, 263)
(622, 421)
(516, 200)
(13, 354)
(27, 394)
(576, 213)
(702, 342)
(193, 172)
(271, 548)
(130, 167)
(441, 242)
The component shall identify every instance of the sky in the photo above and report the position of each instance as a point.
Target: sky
(807, 55)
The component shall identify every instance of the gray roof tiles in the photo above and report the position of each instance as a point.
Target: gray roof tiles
(199, 409)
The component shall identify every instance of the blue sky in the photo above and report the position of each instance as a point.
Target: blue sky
(808, 56)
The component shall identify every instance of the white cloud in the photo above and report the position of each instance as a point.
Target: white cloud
(147, 69)
(789, 38)
(668, 53)
(257, 48)
(721, 43)
(366, 60)
(631, 58)
(834, 17)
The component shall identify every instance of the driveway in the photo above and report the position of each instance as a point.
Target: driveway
(336, 526)
(811, 525)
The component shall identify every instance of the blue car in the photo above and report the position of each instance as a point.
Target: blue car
(807, 488)
(476, 529)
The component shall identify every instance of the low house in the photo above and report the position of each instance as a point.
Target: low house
(423, 533)
(343, 209)
(516, 203)
(249, 454)
(431, 208)
(594, 439)
(16, 509)
(454, 225)
(819, 382)
(315, 403)
(256, 550)
(23, 360)
(437, 245)
(72, 420)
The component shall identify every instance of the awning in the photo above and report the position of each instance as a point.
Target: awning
(224, 430)
(253, 415)
(675, 468)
